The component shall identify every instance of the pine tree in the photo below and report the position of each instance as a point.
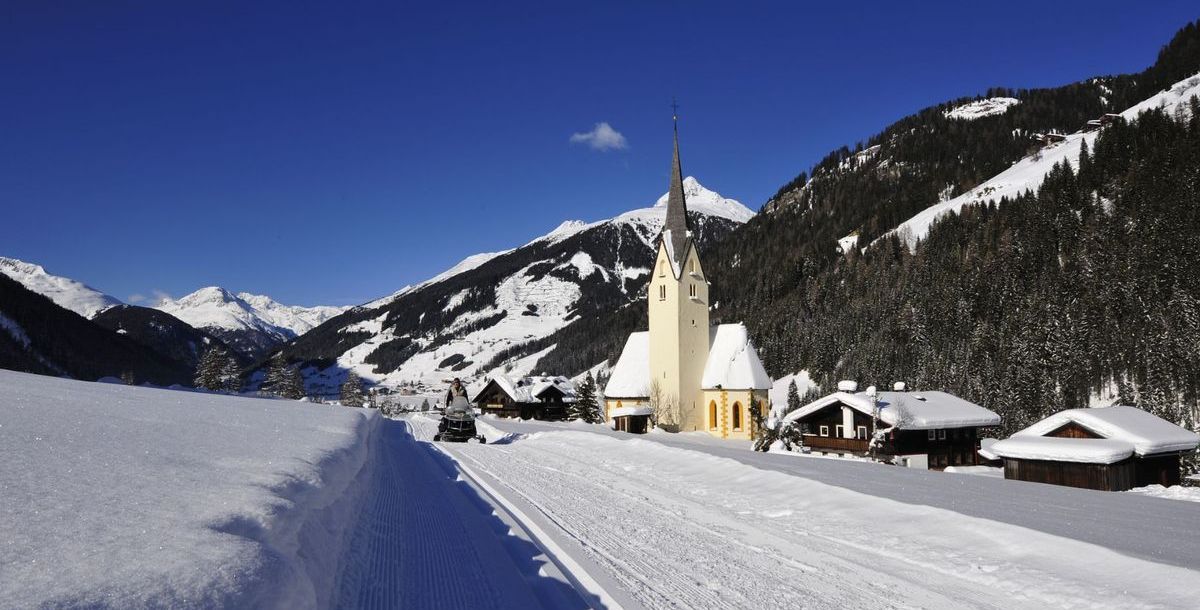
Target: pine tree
(209, 370)
(292, 384)
(425, 404)
(352, 390)
(276, 375)
(793, 397)
(585, 407)
(231, 379)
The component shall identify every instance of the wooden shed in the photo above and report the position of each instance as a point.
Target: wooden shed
(1109, 449)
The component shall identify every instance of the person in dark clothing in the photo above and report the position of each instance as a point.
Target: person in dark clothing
(456, 389)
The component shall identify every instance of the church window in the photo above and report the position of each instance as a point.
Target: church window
(737, 416)
(662, 268)
(691, 290)
(712, 415)
(662, 292)
(693, 265)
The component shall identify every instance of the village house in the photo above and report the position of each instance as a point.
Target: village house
(689, 375)
(916, 429)
(1108, 448)
(534, 397)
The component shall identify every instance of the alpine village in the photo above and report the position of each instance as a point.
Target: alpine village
(956, 364)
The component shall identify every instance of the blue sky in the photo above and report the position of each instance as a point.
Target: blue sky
(330, 153)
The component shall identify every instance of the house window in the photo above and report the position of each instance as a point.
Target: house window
(824, 430)
(941, 435)
(737, 416)
(932, 434)
(862, 432)
(838, 431)
(662, 292)
(712, 415)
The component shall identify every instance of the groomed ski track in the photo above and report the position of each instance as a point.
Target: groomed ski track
(428, 538)
(665, 527)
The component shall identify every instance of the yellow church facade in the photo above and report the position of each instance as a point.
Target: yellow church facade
(686, 374)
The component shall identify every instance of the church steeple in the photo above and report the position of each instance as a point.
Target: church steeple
(676, 228)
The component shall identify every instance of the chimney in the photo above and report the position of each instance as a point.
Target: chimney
(900, 386)
(847, 386)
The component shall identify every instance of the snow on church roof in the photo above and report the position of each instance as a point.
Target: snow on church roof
(1125, 431)
(631, 376)
(908, 410)
(732, 362)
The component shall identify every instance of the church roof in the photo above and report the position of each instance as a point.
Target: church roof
(676, 230)
(732, 364)
(631, 376)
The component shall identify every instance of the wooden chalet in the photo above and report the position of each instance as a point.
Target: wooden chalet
(1109, 449)
(916, 429)
(535, 397)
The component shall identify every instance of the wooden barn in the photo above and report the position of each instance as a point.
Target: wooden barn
(635, 419)
(917, 429)
(535, 397)
(1109, 449)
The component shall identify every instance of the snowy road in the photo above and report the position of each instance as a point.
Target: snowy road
(427, 539)
(679, 528)
(1150, 528)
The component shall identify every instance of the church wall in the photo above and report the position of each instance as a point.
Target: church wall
(725, 401)
(679, 336)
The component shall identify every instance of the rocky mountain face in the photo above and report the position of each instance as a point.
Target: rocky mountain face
(65, 292)
(167, 335)
(508, 310)
(253, 325)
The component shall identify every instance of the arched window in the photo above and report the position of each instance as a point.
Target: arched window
(737, 416)
(712, 415)
(693, 265)
(662, 268)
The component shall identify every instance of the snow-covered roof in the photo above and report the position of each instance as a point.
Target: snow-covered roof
(985, 449)
(908, 410)
(628, 411)
(732, 362)
(631, 376)
(1125, 431)
(530, 389)
(1087, 450)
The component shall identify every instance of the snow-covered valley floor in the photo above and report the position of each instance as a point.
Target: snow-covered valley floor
(129, 497)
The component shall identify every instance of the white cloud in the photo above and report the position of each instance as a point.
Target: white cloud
(159, 297)
(602, 137)
(136, 298)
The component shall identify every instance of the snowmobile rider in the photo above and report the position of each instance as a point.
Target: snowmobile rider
(456, 389)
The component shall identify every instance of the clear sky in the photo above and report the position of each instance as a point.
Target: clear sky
(330, 153)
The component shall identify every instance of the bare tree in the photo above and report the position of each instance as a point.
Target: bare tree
(662, 406)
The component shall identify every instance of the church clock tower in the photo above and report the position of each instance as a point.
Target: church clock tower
(678, 307)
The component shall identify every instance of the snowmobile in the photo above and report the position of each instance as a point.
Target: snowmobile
(458, 423)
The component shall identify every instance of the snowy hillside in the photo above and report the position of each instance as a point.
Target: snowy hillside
(497, 310)
(1028, 173)
(251, 324)
(981, 108)
(125, 497)
(79, 298)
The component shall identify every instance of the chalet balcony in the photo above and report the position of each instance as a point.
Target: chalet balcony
(833, 443)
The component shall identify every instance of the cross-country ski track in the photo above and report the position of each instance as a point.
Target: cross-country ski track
(636, 523)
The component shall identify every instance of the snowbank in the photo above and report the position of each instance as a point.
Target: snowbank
(121, 496)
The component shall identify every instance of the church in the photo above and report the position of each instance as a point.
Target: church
(693, 376)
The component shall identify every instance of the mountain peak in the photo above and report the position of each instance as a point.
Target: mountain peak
(66, 292)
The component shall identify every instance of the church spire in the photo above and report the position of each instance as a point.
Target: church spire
(676, 227)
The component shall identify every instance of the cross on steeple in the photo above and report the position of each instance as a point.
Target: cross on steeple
(674, 109)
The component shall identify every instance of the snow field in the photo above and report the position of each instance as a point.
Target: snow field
(678, 527)
(128, 497)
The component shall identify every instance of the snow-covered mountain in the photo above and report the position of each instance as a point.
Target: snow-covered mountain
(66, 292)
(252, 324)
(507, 309)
